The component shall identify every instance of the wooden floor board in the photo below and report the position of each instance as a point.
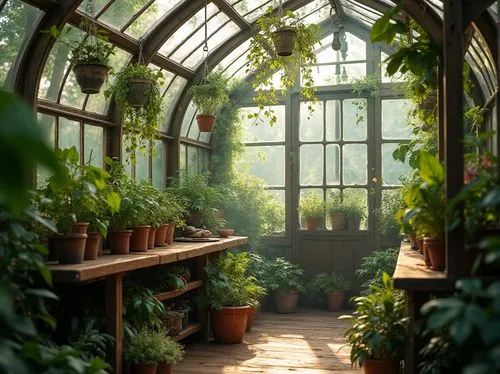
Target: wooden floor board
(309, 342)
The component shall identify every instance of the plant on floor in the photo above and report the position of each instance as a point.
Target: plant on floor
(312, 208)
(140, 121)
(264, 63)
(323, 283)
(378, 327)
(283, 275)
(86, 338)
(373, 266)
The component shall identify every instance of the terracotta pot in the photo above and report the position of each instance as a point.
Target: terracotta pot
(139, 238)
(144, 368)
(161, 235)
(81, 227)
(380, 367)
(151, 237)
(170, 233)
(436, 252)
(70, 248)
(92, 246)
(413, 242)
(90, 77)
(284, 41)
(339, 221)
(225, 233)
(286, 302)
(335, 300)
(163, 368)
(206, 122)
(194, 219)
(251, 316)
(138, 94)
(229, 324)
(420, 244)
(119, 241)
(353, 224)
(312, 224)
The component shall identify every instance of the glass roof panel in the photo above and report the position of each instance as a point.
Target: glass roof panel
(360, 12)
(17, 22)
(147, 20)
(188, 119)
(170, 97)
(121, 12)
(482, 66)
(194, 130)
(98, 5)
(251, 9)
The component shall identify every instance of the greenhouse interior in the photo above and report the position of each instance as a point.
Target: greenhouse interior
(249, 186)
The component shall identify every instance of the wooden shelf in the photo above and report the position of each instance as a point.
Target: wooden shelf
(190, 330)
(171, 294)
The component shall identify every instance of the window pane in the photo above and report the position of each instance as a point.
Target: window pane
(358, 196)
(332, 164)
(258, 131)
(182, 157)
(305, 192)
(48, 125)
(279, 197)
(152, 14)
(69, 134)
(311, 165)
(355, 163)
(94, 145)
(188, 119)
(159, 165)
(142, 166)
(311, 124)
(394, 123)
(392, 170)
(335, 74)
(333, 113)
(328, 194)
(354, 119)
(266, 162)
(170, 100)
(120, 12)
(192, 160)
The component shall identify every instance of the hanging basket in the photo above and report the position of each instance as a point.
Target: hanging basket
(90, 77)
(138, 93)
(284, 41)
(206, 122)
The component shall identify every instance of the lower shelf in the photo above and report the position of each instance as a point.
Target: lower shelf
(190, 330)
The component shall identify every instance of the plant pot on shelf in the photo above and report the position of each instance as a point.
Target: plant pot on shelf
(425, 253)
(229, 324)
(284, 41)
(90, 77)
(161, 235)
(206, 122)
(420, 244)
(286, 302)
(353, 224)
(225, 233)
(151, 237)
(312, 224)
(119, 241)
(170, 233)
(335, 300)
(81, 227)
(138, 96)
(92, 246)
(164, 368)
(380, 367)
(436, 252)
(70, 248)
(413, 242)
(144, 368)
(339, 221)
(139, 238)
(173, 322)
(251, 316)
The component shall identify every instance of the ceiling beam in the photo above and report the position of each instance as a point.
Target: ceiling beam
(473, 8)
(227, 8)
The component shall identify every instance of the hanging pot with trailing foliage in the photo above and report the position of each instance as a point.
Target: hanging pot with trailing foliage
(284, 41)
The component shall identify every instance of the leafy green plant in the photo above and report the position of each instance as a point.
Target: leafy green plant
(139, 125)
(264, 62)
(210, 93)
(353, 206)
(378, 325)
(312, 206)
(373, 266)
(362, 87)
(386, 213)
(323, 283)
(88, 340)
(151, 347)
(283, 275)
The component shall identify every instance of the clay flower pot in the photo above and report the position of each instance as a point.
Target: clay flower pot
(194, 219)
(119, 241)
(151, 237)
(144, 368)
(420, 244)
(229, 324)
(339, 222)
(413, 242)
(138, 92)
(284, 41)
(170, 233)
(436, 252)
(164, 368)
(90, 77)
(286, 302)
(81, 227)
(312, 224)
(206, 123)
(335, 300)
(225, 233)
(161, 235)
(139, 238)
(92, 246)
(380, 367)
(353, 224)
(70, 248)
(251, 316)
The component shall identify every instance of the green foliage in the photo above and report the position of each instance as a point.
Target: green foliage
(362, 87)
(323, 283)
(264, 62)
(373, 266)
(312, 206)
(378, 325)
(350, 204)
(88, 340)
(139, 125)
(210, 93)
(283, 275)
(151, 347)
(386, 213)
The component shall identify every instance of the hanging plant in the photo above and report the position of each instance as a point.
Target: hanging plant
(137, 93)
(277, 36)
(208, 96)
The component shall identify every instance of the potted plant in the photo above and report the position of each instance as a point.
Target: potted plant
(377, 334)
(354, 210)
(332, 286)
(172, 213)
(208, 96)
(337, 211)
(285, 279)
(137, 92)
(284, 32)
(140, 218)
(312, 209)
(171, 353)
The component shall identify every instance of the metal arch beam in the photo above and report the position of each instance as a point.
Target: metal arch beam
(32, 63)
(233, 14)
(486, 26)
(473, 9)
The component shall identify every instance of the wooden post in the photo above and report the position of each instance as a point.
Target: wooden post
(453, 125)
(114, 298)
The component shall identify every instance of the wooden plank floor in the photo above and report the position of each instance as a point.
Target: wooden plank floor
(307, 342)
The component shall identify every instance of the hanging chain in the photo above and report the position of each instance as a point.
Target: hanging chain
(280, 8)
(205, 46)
(140, 58)
(90, 27)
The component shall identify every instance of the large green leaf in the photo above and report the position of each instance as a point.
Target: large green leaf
(431, 169)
